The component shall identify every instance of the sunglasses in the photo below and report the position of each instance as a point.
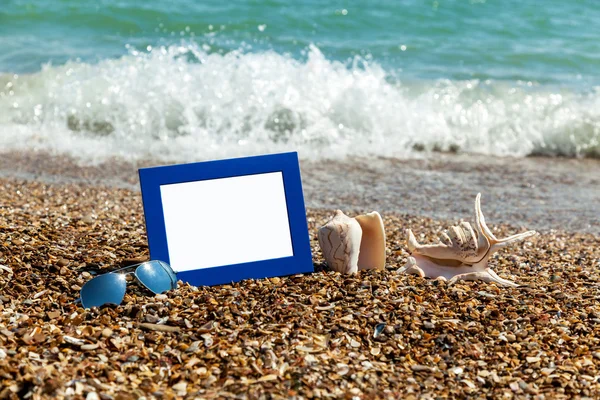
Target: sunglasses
(156, 276)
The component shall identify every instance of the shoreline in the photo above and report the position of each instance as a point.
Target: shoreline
(302, 336)
(538, 193)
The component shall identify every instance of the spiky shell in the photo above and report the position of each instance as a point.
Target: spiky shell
(462, 252)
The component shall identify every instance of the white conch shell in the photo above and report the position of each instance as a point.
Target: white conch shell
(353, 244)
(462, 253)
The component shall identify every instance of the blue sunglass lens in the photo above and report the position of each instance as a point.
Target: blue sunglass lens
(155, 276)
(103, 289)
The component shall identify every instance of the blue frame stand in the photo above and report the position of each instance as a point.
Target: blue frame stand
(151, 180)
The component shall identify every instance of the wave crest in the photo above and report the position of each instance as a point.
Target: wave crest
(182, 103)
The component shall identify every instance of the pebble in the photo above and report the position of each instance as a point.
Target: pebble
(73, 340)
(92, 396)
(356, 335)
(420, 368)
(180, 388)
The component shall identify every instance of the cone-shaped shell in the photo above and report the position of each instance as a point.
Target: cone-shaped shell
(340, 243)
(372, 245)
(352, 244)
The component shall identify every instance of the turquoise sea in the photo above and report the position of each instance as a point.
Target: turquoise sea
(189, 80)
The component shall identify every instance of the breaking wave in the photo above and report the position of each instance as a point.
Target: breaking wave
(184, 103)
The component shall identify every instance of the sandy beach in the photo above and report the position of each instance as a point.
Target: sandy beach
(377, 334)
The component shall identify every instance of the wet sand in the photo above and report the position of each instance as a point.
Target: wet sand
(377, 334)
(538, 193)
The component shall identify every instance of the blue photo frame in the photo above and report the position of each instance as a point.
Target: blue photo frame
(155, 180)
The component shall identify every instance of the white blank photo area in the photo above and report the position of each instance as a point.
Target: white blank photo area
(226, 221)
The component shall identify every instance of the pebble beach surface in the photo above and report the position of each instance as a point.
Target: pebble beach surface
(409, 108)
(377, 334)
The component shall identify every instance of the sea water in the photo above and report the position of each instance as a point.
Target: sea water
(185, 80)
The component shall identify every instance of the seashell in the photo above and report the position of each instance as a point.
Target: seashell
(6, 269)
(462, 253)
(9, 272)
(353, 244)
(73, 340)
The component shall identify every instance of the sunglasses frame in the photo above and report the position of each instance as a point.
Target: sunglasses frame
(166, 267)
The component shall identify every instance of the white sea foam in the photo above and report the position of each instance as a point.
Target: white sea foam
(180, 103)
